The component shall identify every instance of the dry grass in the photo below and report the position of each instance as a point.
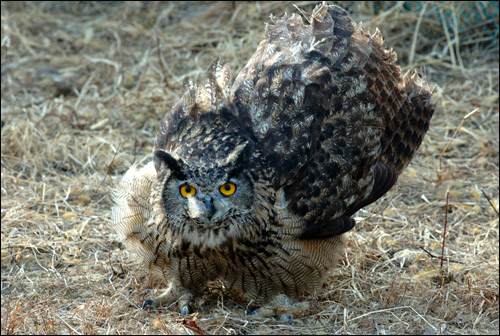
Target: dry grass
(83, 89)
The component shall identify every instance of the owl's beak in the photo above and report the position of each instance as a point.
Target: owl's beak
(209, 205)
(201, 207)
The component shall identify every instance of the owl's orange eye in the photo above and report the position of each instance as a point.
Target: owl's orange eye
(187, 191)
(227, 189)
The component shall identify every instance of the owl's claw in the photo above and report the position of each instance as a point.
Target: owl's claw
(186, 309)
(281, 307)
(287, 318)
(266, 312)
(173, 294)
(149, 304)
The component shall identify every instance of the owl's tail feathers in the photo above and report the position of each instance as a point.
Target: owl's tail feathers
(328, 229)
(384, 178)
(410, 123)
(327, 34)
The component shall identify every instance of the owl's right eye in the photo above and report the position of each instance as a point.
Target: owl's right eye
(187, 191)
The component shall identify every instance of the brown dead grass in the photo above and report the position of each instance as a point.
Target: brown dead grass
(83, 89)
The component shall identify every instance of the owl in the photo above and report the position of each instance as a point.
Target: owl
(254, 182)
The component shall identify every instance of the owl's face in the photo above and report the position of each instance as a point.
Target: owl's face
(207, 203)
(207, 190)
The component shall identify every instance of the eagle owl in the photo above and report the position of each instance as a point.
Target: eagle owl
(253, 182)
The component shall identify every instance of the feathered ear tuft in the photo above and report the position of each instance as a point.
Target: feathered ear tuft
(210, 94)
(239, 159)
(163, 158)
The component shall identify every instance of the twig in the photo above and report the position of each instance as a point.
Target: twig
(391, 309)
(438, 257)
(160, 60)
(474, 27)
(442, 178)
(68, 325)
(162, 324)
(415, 35)
(11, 319)
(470, 114)
(108, 168)
(444, 236)
(448, 39)
(489, 201)
(457, 40)
(193, 326)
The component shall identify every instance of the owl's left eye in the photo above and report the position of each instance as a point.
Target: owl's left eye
(227, 189)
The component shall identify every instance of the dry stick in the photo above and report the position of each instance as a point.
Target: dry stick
(160, 59)
(444, 236)
(448, 39)
(193, 326)
(457, 40)
(438, 257)
(470, 114)
(162, 324)
(108, 168)
(474, 27)
(415, 35)
(489, 201)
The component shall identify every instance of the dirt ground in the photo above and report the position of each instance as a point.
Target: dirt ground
(84, 85)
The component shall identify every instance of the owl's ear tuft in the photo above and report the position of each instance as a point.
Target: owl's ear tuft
(247, 151)
(240, 152)
(163, 158)
(239, 159)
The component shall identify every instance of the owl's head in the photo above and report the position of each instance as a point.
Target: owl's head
(203, 157)
(207, 188)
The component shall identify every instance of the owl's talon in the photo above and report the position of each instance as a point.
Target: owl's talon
(251, 313)
(261, 312)
(186, 309)
(147, 304)
(287, 318)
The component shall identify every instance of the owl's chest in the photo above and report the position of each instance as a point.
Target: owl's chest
(222, 260)
(258, 268)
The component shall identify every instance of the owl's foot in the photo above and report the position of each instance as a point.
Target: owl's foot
(173, 294)
(282, 307)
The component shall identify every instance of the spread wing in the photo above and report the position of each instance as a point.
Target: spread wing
(333, 116)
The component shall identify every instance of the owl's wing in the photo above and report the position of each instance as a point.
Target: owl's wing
(132, 211)
(335, 119)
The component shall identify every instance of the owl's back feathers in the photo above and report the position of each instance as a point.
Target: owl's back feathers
(333, 114)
